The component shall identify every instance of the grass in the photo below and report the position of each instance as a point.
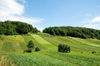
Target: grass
(23, 45)
(17, 47)
(75, 45)
(74, 59)
(80, 55)
(84, 46)
(36, 60)
(43, 42)
(27, 38)
(7, 47)
(0, 56)
(1, 43)
(52, 58)
(13, 38)
(88, 41)
(39, 39)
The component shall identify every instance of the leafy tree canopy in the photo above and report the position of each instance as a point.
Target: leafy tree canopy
(30, 44)
(80, 32)
(16, 27)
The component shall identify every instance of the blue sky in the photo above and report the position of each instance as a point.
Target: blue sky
(46, 13)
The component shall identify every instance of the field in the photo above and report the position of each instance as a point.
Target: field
(12, 47)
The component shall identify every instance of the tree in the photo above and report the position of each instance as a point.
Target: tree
(30, 44)
(63, 48)
(80, 32)
(15, 27)
(37, 49)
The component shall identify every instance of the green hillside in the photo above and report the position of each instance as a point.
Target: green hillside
(12, 47)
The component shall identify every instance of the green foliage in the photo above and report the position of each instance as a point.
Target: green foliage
(37, 49)
(30, 44)
(73, 32)
(63, 48)
(93, 52)
(28, 51)
(16, 27)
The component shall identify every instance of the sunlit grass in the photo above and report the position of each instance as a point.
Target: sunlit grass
(43, 42)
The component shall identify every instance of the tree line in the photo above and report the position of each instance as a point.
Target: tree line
(80, 32)
(16, 27)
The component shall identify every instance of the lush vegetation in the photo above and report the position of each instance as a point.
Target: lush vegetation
(63, 48)
(73, 32)
(76, 44)
(30, 44)
(36, 60)
(80, 55)
(18, 50)
(16, 27)
(37, 49)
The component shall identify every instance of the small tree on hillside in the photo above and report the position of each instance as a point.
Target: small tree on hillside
(37, 49)
(63, 48)
(30, 44)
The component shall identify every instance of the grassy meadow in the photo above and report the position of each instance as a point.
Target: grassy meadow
(12, 47)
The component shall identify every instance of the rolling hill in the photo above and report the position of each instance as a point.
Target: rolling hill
(12, 47)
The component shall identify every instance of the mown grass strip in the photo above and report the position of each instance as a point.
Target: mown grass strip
(28, 37)
(43, 42)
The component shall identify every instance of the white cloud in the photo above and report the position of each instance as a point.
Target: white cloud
(12, 10)
(10, 7)
(89, 26)
(88, 14)
(96, 19)
(41, 29)
(94, 26)
(92, 23)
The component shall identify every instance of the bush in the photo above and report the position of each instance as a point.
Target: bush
(93, 52)
(63, 48)
(29, 51)
(37, 49)
(30, 44)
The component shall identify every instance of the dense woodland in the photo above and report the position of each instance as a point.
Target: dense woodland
(80, 32)
(16, 27)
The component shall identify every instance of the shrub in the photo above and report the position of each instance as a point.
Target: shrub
(37, 49)
(29, 51)
(93, 52)
(63, 48)
(30, 44)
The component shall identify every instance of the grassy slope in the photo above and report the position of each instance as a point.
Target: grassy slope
(11, 42)
(43, 42)
(27, 38)
(51, 57)
(78, 45)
